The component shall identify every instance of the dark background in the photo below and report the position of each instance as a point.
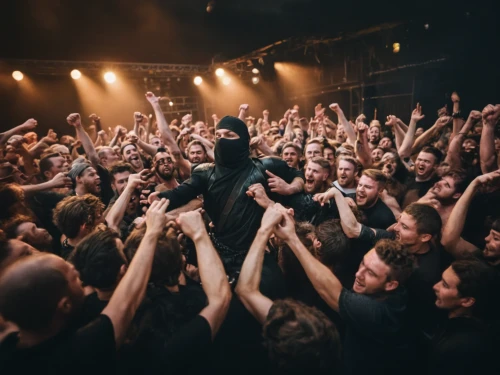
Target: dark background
(183, 32)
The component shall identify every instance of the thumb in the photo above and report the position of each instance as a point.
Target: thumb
(270, 174)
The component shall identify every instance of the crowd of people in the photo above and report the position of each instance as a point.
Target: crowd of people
(243, 245)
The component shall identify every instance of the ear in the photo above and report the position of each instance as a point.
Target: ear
(468, 302)
(65, 306)
(425, 237)
(48, 175)
(391, 285)
(325, 176)
(317, 244)
(123, 269)
(457, 196)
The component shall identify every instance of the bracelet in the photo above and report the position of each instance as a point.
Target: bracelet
(455, 114)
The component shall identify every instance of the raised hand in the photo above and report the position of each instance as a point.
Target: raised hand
(265, 113)
(120, 131)
(191, 223)
(255, 142)
(244, 107)
(335, 107)
(155, 216)
(360, 118)
(325, 197)
(475, 116)
(187, 119)
(285, 229)
(50, 138)
(152, 98)
(101, 133)
(61, 180)
(272, 217)
(454, 97)
(319, 110)
(491, 113)
(362, 128)
(258, 193)
(74, 119)
(29, 124)
(417, 115)
(443, 121)
(132, 137)
(94, 118)
(391, 120)
(138, 117)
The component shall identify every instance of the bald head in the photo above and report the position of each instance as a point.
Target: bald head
(32, 288)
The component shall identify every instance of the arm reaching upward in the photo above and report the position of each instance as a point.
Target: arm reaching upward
(406, 147)
(351, 134)
(487, 146)
(74, 120)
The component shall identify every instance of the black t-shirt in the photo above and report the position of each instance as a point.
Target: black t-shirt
(106, 190)
(417, 189)
(377, 337)
(89, 350)
(465, 346)
(92, 308)
(378, 216)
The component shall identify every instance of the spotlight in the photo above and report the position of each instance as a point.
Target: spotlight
(75, 74)
(396, 47)
(198, 80)
(220, 72)
(110, 77)
(17, 75)
(226, 81)
(255, 71)
(171, 104)
(255, 80)
(426, 26)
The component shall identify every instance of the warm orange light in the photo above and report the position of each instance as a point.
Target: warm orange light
(75, 74)
(220, 72)
(198, 80)
(17, 75)
(109, 77)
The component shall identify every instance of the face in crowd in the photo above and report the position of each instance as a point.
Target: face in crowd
(312, 150)
(315, 176)
(131, 156)
(367, 192)
(164, 165)
(196, 154)
(346, 174)
(425, 165)
(90, 180)
(291, 157)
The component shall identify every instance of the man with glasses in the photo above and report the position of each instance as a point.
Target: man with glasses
(164, 168)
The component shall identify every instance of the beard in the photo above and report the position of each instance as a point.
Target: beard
(167, 176)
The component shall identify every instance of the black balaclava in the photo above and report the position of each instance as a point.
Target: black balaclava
(232, 153)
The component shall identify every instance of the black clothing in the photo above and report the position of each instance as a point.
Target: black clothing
(88, 350)
(216, 185)
(106, 190)
(307, 209)
(422, 187)
(378, 216)
(377, 339)
(91, 309)
(66, 249)
(464, 346)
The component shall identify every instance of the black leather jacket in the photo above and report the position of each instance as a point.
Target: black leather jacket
(244, 218)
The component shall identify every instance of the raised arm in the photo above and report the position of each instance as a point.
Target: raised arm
(243, 112)
(74, 120)
(456, 110)
(487, 146)
(362, 148)
(351, 134)
(405, 150)
(212, 274)
(323, 280)
(453, 155)
(148, 149)
(23, 128)
(130, 292)
(452, 231)
(59, 181)
(424, 139)
(247, 288)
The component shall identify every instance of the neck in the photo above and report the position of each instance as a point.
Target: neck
(459, 313)
(169, 184)
(423, 179)
(80, 190)
(75, 241)
(422, 249)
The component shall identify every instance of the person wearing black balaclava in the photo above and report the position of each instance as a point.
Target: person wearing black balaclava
(234, 232)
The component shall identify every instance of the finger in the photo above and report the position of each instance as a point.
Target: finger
(164, 205)
(270, 174)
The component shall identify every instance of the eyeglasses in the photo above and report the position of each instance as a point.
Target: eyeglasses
(164, 161)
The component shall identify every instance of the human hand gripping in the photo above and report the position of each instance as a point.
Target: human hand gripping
(155, 216)
(277, 184)
(191, 223)
(285, 230)
(74, 120)
(258, 193)
(417, 115)
(491, 113)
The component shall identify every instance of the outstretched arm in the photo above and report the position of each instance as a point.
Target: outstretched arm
(405, 150)
(424, 139)
(487, 146)
(362, 147)
(212, 274)
(27, 126)
(251, 271)
(75, 121)
(351, 134)
(453, 155)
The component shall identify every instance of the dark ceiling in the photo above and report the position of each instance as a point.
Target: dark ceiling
(182, 31)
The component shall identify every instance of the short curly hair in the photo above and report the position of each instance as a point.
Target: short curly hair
(74, 211)
(400, 262)
(301, 339)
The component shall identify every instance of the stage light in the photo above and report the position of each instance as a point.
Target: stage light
(171, 104)
(220, 72)
(255, 80)
(255, 71)
(396, 47)
(75, 74)
(198, 80)
(426, 26)
(110, 77)
(17, 75)
(226, 81)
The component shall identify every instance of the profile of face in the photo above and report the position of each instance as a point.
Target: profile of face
(315, 178)
(425, 165)
(444, 190)
(367, 192)
(385, 143)
(39, 238)
(447, 295)
(491, 250)
(196, 154)
(291, 157)
(419, 132)
(120, 181)
(59, 165)
(131, 156)
(164, 165)
(407, 234)
(346, 174)
(155, 141)
(372, 275)
(109, 157)
(340, 136)
(312, 150)
(90, 181)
